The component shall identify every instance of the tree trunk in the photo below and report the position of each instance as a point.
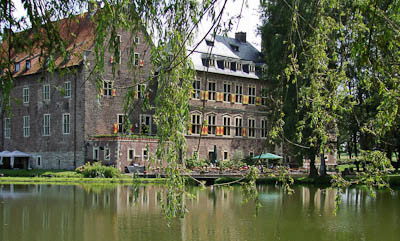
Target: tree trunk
(322, 167)
(313, 169)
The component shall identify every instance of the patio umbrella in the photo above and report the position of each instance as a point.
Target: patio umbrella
(267, 156)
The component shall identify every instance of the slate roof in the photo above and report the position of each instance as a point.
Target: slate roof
(224, 48)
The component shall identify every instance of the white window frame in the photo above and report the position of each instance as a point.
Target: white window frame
(107, 154)
(196, 89)
(143, 117)
(46, 92)
(263, 95)
(46, 125)
(227, 94)
(141, 90)
(252, 94)
(25, 95)
(238, 126)
(252, 127)
(7, 128)
(28, 64)
(39, 161)
(263, 128)
(223, 155)
(136, 59)
(227, 126)
(212, 127)
(26, 126)
(66, 126)
(67, 89)
(133, 156)
(212, 93)
(120, 124)
(239, 93)
(143, 156)
(96, 153)
(196, 123)
(107, 87)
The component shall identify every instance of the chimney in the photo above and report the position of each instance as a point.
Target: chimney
(240, 36)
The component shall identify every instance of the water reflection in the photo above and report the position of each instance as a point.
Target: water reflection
(90, 212)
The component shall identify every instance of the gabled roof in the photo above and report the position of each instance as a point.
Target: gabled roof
(78, 32)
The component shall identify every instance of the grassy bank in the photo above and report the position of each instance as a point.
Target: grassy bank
(66, 177)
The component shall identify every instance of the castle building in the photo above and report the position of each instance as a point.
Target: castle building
(65, 118)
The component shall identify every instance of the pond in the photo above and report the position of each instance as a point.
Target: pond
(90, 212)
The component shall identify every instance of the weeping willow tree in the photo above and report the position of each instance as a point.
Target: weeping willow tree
(169, 27)
(331, 62)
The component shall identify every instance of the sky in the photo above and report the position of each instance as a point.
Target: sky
(248, 23)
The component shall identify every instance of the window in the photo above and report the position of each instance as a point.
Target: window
(67, 89)
(246, 68)
(226, 155)
(145, 124)
(66, 124)
(207, 62)
(95, 153)
(238, 93)
(26, 126)
(227, 92)
(251, 154)
(211, 90)
(264, 96)
(38, 160)
(234, 47)
(131, 154)
(46, 92)
(106, 153)
(136, 59)
(145, 155)
(136, 39)
(252, 128)
(233, 66)
(264, 128)
(220, 64)
(196, 125)
(46, 124)
(7, 128)
(212, 124)
(238, 126)
(107, 88)
(227, 126)
(252, 95)
(28, 64)
(120, 119)
(196, 89)
(25, 95)
(141, 90)
(16, 67)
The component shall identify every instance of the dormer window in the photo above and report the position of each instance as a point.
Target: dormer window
(227, 64)
(208, 62)
(246, 68)
(235, 48)
(233, 66)
(210, 43)
(16, 67)
(252, 68)
(220, 64)
(238, 66)
(28, 64)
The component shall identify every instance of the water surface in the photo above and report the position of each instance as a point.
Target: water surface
(90, 212)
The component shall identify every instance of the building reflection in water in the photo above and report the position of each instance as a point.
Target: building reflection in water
(90, 212)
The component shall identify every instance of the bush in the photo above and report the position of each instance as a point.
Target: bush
(97, 170)
(194, 162)
(231, 164)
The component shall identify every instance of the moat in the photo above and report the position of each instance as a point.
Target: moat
(116, 212)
